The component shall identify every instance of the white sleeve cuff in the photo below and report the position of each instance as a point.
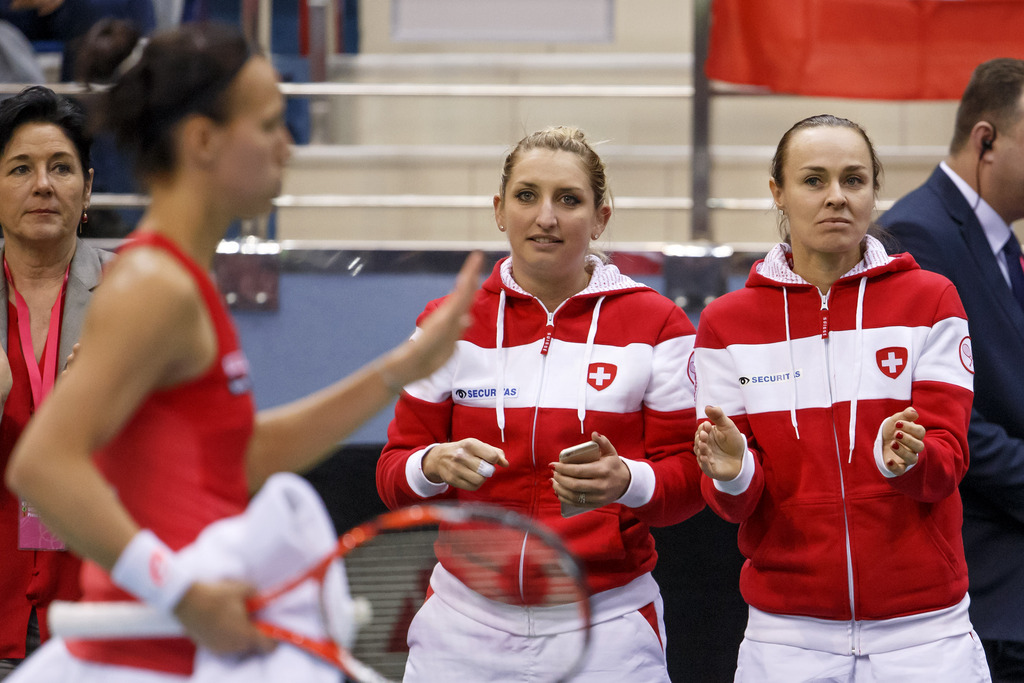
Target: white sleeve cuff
(735, 487)
(150, 571)
(641, 483)
(879, 451)
(418, 481)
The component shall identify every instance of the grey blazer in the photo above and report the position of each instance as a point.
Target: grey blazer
(86, 270)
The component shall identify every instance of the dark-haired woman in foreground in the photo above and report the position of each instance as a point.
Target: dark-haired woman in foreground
(152, 436)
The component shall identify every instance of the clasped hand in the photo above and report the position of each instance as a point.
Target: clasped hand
(467, 464)
(592, 484)
(464, 464)
(902, 440)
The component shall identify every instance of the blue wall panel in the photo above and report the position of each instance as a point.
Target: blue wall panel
(329, 324)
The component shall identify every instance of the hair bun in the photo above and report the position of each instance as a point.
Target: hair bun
(104, 48)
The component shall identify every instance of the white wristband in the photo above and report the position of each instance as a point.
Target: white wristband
(149, 570)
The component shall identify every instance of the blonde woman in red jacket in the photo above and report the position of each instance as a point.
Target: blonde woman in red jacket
(563, 348)
(835, 391)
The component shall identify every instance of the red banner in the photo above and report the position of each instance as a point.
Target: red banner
(877, 49)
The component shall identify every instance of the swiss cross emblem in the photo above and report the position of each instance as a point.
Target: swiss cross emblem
(601, 375)
(891, 360)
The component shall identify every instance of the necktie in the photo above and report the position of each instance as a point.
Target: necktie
(1011, 250)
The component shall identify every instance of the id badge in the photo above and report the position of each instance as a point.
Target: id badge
(33, 534)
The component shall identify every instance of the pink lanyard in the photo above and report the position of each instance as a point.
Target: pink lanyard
(41, 384)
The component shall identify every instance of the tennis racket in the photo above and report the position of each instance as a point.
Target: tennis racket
(500, 554)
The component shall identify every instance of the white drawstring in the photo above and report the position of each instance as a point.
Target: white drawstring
(581, 395)
(860, 364)
(792, 367)
(499, 340)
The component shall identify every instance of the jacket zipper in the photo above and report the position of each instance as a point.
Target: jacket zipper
(842, 484)
(824, 316)
(549, 333)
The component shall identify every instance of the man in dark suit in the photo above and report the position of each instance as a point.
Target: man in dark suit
(958, 224)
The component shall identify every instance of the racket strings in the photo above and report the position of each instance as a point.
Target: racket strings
(513, 566)
(392, 573)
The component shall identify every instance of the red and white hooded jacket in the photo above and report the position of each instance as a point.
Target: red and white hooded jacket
(827, 531)
(615, 358)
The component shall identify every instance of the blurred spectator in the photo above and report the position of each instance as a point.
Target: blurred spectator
(18, 63)
(67, 21)
(105, 46)
(106, 50)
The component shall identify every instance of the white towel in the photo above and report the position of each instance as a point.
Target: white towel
(284, 531)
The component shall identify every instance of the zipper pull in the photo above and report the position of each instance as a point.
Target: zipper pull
(549, 332)
(824, 316)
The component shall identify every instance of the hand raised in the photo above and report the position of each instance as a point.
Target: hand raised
(434, 344)
(718, 445)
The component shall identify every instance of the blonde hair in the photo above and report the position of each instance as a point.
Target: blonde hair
(563, 139)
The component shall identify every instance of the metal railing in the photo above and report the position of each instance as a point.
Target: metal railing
(256, 22)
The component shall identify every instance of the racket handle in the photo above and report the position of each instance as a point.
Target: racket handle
(111, 620)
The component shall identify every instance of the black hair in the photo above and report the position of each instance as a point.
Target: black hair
(101, 51)
(181, 72)
(39, 104)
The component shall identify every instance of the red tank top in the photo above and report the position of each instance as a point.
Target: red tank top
(177, 466)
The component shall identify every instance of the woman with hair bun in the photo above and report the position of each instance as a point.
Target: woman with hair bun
(833, 393)
(152, 436)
